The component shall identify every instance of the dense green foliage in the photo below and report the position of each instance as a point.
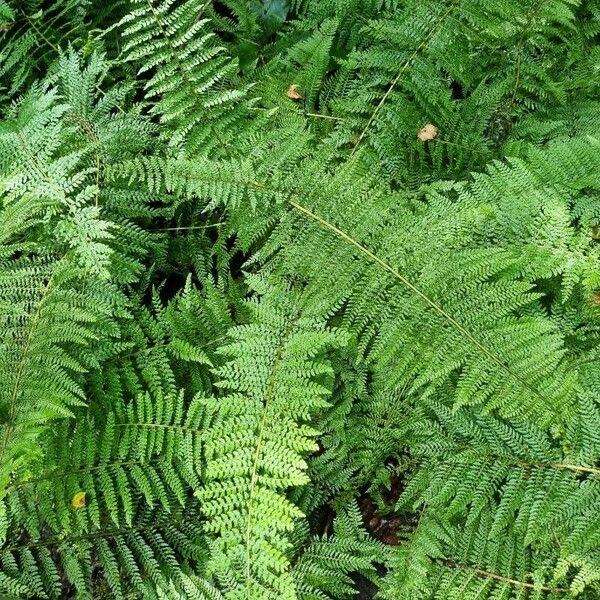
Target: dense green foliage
(265, 261)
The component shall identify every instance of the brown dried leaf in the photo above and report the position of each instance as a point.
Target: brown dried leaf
(294, 92)
(391, 539)
(428, 133)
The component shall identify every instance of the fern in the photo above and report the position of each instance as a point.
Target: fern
(191, 71)
(50, 313)
(32, 34)
(255, 444)
(296, 296)
(130, 469)
(326, 566)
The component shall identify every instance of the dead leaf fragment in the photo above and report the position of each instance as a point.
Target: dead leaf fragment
(428, 133)
(374, 522)
(294, 92)
(390, 539)
(78, 500)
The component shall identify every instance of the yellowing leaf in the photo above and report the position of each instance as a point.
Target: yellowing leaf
(78, 500)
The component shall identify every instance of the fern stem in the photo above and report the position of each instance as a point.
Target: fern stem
(160, 426)
(515, 461)
(97, 534)
(192, 227)
(514, 582)
(521, 49)
(32, 157)
(576, 468)
(40, 33)
(318, 116)
(549, 465)
(88, 129)
(89, 469)
(560, 466)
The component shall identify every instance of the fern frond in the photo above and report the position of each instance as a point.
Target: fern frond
(481, 565)
(326, 567)
(31, 35)
(138, 458)
(190, 74)
(256, 441)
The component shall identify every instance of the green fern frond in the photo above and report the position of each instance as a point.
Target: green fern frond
(31, 35)
(256, 442)
(326, 567)
(190, 74)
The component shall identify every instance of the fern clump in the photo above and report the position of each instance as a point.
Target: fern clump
(299, 299)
